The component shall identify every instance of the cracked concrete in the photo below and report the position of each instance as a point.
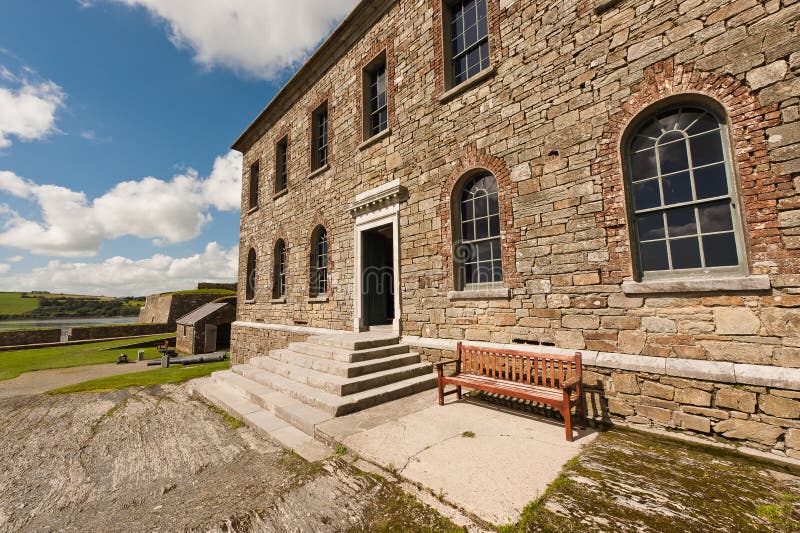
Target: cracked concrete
(509, 461)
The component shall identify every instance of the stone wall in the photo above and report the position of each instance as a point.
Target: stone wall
(29, 336)
(118, 331)
(169, 307)
(247, 342)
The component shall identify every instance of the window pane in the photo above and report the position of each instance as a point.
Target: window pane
(481, 205)
(716, 217)
(640, 143)
(681, 222)
(654, 256)
(688, 117)
(668, 120)
(710, 182)
(496, 253)
(677, 188)
(471, 273)
(485, 272)
(497, 271)
(494, 225)
(720, 250)
(685, 253)
(646, 195)
(466, 210)
(651, 129)
(706, 149)
(482, 228)
(673, 157)
(706, 123)
(643, 165)
(651, 226)
(484, 251)
(468, 231)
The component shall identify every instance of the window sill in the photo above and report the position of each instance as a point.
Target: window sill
(502, 293)
(319, 171)
(280, 193)
(278, 300)
(249, 302)
(375, 138)
(318, 299)
(252, 210)
(477, 79)
(731, 284)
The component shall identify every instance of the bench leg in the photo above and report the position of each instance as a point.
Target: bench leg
(567, 413)
(458, 392)
(441, 392)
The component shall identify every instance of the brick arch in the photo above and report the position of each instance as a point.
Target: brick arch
(759, 188)
(472, 159)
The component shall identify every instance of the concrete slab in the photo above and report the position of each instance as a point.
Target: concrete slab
(509, 462)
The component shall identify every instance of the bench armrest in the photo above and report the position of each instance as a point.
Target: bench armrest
(571, 382)
(441, 364)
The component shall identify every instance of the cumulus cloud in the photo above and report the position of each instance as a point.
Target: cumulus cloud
(15, 259)
(4, 268)
(28, 106)
(260, 38)
(120, 276)
(166, 211)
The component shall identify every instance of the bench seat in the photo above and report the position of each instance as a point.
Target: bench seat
(553, 380)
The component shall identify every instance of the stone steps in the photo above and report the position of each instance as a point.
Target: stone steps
(346, 355)
(262, 421)
(344, 369)
(331, 403)
(362, 341)
(335, 384)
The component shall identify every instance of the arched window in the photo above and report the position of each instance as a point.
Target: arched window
(477, 232)
(319, 262)
(250, 288)
(682, 195)
(279, 270)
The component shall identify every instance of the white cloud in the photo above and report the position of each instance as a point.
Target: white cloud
(166, 211)
(4, 268)
(27, 107)
(120, 276)
(15, 259)
(258, 37)
(91, 135)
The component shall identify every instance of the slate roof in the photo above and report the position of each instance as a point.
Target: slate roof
(200, 313)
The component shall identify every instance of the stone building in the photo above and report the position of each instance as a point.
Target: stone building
(620, 177)
(207, 328)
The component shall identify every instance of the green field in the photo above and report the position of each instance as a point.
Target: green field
(12, 303)
(12, 364)
(159, 376)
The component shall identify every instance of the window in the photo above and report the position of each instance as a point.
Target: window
(468, 33)
(477, 226)
(279, 274)
(319, 262)
(376, 97)
(282, 165)
(250, 288)
(254, 185)
(682, 194)
(319, 134)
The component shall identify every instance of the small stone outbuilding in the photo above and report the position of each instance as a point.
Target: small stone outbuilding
(206, 329)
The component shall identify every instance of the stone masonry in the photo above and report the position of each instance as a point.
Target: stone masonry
(566, 80)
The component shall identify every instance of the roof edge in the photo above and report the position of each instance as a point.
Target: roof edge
(339, 42)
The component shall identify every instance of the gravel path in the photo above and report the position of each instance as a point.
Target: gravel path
(41, 381)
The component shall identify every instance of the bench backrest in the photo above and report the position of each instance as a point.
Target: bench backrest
(544, 370)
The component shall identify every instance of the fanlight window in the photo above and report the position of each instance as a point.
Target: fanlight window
(319, 263)
(682, 194)
(478, 252)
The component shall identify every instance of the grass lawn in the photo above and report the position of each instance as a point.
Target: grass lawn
(160, 376)
(12, 364)
(12, 303)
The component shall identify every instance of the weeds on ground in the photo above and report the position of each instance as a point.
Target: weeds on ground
(781, 514)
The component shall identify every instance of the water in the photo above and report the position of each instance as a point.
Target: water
(65, 322)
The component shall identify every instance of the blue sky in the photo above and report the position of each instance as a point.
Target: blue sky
(115, 170)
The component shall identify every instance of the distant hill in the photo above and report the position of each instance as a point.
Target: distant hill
(22, 305)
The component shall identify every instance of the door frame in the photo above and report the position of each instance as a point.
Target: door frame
(388, 215)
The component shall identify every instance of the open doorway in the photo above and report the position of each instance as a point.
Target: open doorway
(377, 276)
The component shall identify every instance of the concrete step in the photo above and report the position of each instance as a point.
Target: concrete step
(338, 385)
(331, 403)
(263, 422)
(341, 368)
(300, 415)
(347, 355)
(355, 341)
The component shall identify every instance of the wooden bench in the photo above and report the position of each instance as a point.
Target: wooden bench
(549, 379)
